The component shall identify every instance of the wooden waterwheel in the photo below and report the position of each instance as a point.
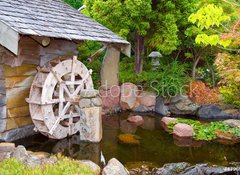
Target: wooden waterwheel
(54, 97)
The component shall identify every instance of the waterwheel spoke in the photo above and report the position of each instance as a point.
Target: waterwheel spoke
(66, 107)
(55, 126)
(61, 99)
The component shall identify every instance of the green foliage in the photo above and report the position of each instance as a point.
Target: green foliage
(160, 22)
(123, 17)
(64, 167)
(75, 3)
(85, 51)
(228, 67)
(168, 23)
(167, 80)
(209, 17)
(206, 131)
(231, 94)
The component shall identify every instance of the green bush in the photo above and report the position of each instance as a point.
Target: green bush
(231, 94)
(64, 167)
(85, 51)
(167, 80)
(206, 131)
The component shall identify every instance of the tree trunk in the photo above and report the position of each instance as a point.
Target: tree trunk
(195, 68)
(139, 53)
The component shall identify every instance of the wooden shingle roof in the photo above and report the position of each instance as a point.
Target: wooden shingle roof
(53, 18)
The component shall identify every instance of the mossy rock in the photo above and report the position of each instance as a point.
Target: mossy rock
(129, 139)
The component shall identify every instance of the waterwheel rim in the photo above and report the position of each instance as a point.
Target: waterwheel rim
(58, 113)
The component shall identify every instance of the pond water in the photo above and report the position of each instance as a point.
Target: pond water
(156, 145)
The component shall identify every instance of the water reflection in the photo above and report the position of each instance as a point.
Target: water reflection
(156, 145)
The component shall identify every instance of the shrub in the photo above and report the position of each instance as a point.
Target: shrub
(231, 94)
(206, 131)
(65, 166)
(168, 80)
(203, 95)
(228, 67)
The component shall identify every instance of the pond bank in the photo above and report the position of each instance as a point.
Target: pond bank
(165, 149)
(19, 161)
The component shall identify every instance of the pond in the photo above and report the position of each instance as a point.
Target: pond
(156, 145)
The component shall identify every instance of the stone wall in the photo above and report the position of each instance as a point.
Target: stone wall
(91, 118)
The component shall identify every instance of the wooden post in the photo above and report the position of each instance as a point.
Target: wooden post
(110, 67)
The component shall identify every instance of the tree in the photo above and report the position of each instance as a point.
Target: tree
(155, 24)
(211, 24)
(75, 3)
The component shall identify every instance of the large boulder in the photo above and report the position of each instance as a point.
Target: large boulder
(212, 112)
(110, 99)
(146, 99)
(183, 130)
(114, 167)
(94, 167)
(233, 123)
(186, 169)
(182, 105)
(129, 93)
(160, 107)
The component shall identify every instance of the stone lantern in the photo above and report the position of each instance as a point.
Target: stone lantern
(155, 55)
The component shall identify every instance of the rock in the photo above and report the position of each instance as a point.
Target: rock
(183, 130)
(233, 123)
(20, 153)
(129, 93)
(5, 155)
(227, 137)
(7, 147)
(137, 120)
(172, 169)
(167, 120)
(18, 133)
(160, 107)
(40, 155)
(114, 167)
(212, 112)
(94, 167)
(182, 105)
(49, 161)
(110, 99)
(32, 161)
(187, 169)
(85, 103)
(233, 113)
(91, 125)
(146, 99)
(142, 109)
(97, 101)
(89, 93)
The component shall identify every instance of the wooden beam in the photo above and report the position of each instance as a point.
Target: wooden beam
(9, 38)
(44, 41)
(96, 54)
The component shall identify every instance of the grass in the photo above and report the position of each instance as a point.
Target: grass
(65, 166)
(206, 131)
